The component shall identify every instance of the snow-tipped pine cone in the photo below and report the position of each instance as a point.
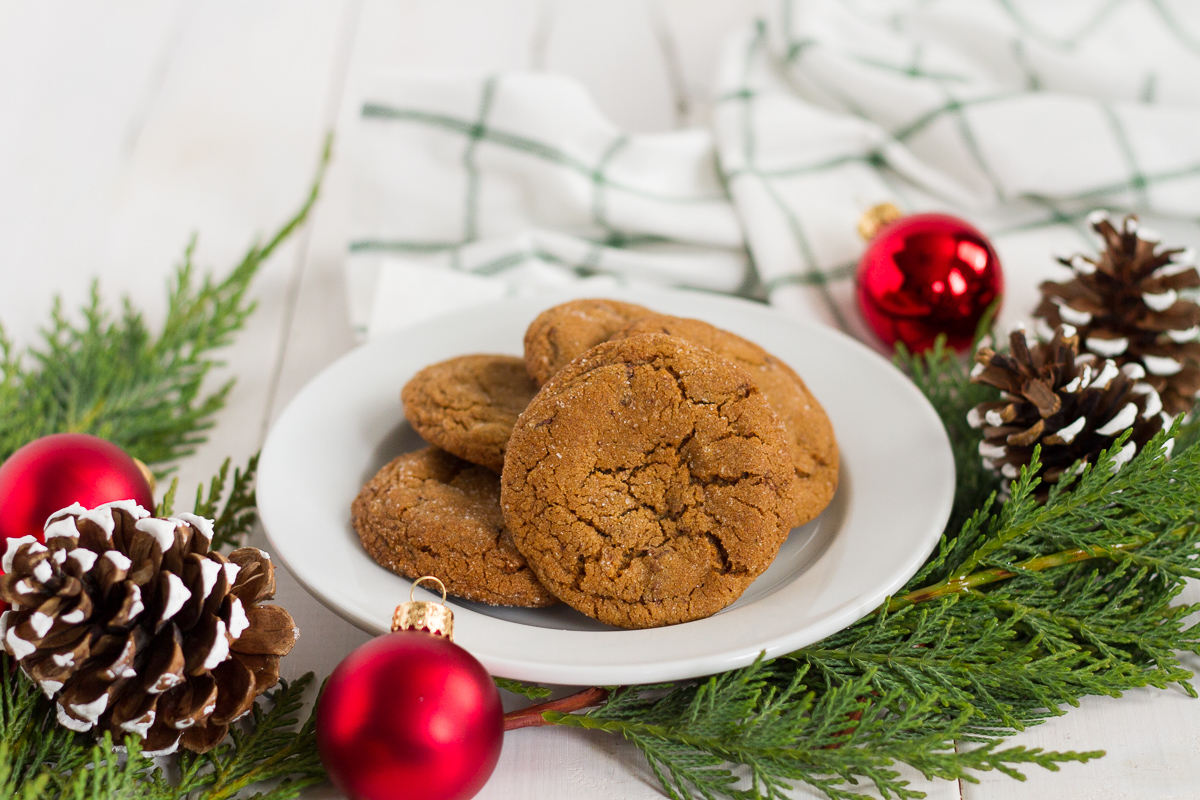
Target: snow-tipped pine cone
(133, 625)
(1073, 405)
(1126, 305)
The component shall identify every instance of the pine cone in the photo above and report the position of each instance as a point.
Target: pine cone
(1074, 407)
(1126, 306)
(136, 626)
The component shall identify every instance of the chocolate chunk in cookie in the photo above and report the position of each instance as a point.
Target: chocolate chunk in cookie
(648, 483)
(561, 333)
(468, 405)
(811, 442)
(430, 513)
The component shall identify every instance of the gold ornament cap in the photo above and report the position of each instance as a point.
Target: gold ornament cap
(424, 615)
(875, 218)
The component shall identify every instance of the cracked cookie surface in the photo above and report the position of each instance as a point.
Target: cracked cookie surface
(648, 483)
(811, 442)
(430, 513)
(468, 405)
(559, 334)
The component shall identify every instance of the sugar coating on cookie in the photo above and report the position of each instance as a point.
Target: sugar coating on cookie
(430, 513)
(468, 405)
(648, 483)
(811, 441)
(559, 334)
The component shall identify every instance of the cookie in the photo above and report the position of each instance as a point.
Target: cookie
(430, 513)
(811, 442)
(648, 483)
(561, 333)
(468, 405)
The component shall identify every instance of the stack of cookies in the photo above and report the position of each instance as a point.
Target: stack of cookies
(642, 468)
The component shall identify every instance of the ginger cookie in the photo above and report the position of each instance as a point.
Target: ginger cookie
(430, 513)
(648, 483)
(811, 442)
(468, 405)
(561, 333)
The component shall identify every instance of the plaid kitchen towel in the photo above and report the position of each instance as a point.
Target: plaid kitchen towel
(467, 190)
(1020, 115)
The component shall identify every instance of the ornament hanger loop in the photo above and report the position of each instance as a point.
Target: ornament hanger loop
(441, 586)
(425, 615)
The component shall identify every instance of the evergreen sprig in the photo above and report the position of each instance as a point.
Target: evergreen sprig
(1024, 609)
(108, 375)
(269, 749)
(40, 758)
(533, 691)
(232, 523)
(239, 512)
(945, 382)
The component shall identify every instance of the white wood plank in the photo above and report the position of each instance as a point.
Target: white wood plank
(696, 30)
(239, 138)
(314, 329)
(614, 49)
(75, 83)
(385, 36)
(128, 135)
(451, 36)
(1151, 737)
(130, 131)
(229, 149)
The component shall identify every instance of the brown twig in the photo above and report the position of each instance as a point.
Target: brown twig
(531, 717)
(855, 716)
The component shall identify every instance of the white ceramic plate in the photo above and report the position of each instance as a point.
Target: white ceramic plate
(894, 497)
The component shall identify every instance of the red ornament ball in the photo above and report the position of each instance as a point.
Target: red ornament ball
(925, 275)
(410, 715)
(52, 472)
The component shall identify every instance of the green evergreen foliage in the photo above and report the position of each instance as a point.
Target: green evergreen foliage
(1024, 609)
(233, 522)
(240, 511)
(41, 759)
(944, 380)
(531, 690)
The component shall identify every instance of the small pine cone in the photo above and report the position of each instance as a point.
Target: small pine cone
(136, 626)
(1126, 306)
(1073, 406)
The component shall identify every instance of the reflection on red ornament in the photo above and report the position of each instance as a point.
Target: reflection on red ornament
(926, 275)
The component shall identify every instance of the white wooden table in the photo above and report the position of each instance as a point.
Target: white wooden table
(127, 126)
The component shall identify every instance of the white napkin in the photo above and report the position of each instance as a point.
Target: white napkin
(1020, 117)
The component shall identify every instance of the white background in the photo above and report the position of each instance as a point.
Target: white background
(125, 127)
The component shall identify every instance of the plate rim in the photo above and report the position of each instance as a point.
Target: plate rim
(669, 669)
